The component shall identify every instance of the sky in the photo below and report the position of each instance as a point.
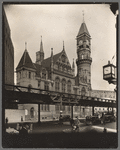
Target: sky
(61, 22)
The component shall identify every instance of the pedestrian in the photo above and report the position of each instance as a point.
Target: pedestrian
(6, 122)
(21, 118)
(23, 130)
(60, 119)
(103, 119)
(71, 122)
(77, 124)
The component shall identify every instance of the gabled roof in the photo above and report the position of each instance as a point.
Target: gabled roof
(26, 61)
(83, 29)
(46, 62)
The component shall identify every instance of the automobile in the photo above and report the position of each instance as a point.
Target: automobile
(64, 118)
(99, 119)
(93, 120)
(109, 117)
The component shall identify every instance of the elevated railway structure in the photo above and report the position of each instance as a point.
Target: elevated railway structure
(24, 95)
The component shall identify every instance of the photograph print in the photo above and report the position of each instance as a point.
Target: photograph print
(59, 75)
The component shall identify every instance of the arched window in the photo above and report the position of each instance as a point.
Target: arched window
(32, 112)
(83, 91)
(44, 74)
(82, 56)
(29, 75)
(69, 86)
(57, 84)
(63, 85)
(26, 112)
(46, 86)
(38, 83)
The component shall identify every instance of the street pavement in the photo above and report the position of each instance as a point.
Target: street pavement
(111, 125)
(55, 127)
(55, 135)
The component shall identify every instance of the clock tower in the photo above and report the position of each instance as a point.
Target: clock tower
(84, 60)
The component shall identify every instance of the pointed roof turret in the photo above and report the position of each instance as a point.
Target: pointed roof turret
(51, 52)
(41, 46)
(25, 60)
(63, 46)
(73, 65)
(83, 29)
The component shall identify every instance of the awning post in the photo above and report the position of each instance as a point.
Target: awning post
(72, 111)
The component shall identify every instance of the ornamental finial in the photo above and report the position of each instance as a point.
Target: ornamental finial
(83, 15)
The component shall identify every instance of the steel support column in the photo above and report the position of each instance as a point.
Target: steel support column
(38, 113)
(108, 109)
(60, 103)
(93, 110)
(80, 111)
(72, 111)
(112, 109)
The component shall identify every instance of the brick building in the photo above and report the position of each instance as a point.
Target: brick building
(8, 53)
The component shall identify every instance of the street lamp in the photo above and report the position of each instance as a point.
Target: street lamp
(109, 73)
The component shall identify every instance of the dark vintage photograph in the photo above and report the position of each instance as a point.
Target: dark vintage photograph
(59, 75)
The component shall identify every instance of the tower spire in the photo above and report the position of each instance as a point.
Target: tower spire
(63, 46)
(26, 46)
(41, 46)
(52, 52)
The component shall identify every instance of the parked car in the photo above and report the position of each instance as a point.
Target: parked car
(109, 117)
(64, 118)
(100, 118)
(93, 120)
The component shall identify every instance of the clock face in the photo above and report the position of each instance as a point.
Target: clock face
(107, 70)
(80, 42)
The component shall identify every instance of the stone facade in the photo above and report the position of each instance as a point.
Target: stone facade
(104, 94)
(56, 74)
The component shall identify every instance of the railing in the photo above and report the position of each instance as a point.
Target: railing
(84, 58)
